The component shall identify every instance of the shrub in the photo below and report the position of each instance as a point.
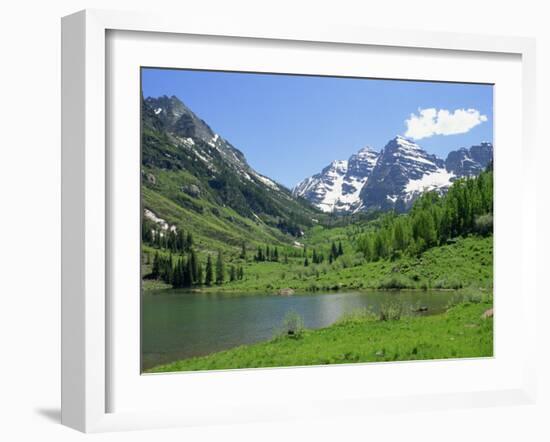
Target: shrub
(390, 311)
(483, 224)
(470, 296)
(346, 261)
(293, 325)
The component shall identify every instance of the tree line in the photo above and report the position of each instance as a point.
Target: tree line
(267, 254)
(318, 257)
(186, 271)
(271, 254)
(176, 241)
(467, 208)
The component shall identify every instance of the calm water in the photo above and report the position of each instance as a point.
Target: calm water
(177, 324)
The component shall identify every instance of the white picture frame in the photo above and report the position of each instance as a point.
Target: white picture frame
(86, 316)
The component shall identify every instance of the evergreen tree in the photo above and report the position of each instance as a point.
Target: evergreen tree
(232, 273)
(188, 274)
(189, 241)
(399, 242)
(155, 272)
(146, 231)
(200, 274)
(209, 273)
(243, 251)
(340, 249)
(180, 241)
(306, 262)
(167, 269)
(260, 255)
(194, 266)
(276, 255)
(334, 251)
(178, 279)
(219, 268)
(172, 241)
(175, 276)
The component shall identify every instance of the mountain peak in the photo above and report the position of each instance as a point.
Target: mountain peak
(337, 186)
(403, 142)
(337, 166)
(367, 148)
(177, 118)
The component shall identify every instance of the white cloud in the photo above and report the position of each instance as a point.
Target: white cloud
(429, 122)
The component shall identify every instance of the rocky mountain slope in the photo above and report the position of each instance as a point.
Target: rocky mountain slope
(337, 186)
(194, 178)
(391, 179)
(467, 162)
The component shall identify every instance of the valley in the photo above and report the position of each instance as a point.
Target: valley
(389, 221)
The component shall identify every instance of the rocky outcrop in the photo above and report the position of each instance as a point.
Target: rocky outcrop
(286, 292)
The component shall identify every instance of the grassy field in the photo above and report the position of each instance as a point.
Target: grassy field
(461, 332)
(468, 263)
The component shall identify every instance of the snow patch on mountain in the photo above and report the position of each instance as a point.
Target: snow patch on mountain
(332, 194)
(440, 179)
(407, 144)
(203, 158)
(267, 181)
(214, 140)
(351, 189)
(163, 224)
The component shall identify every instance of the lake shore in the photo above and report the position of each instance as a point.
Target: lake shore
(166, 290)
(460, 332)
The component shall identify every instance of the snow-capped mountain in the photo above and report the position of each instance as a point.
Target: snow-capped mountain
(468, 162)
(404, 170)
(391, 179)
(337, 186)
(193, 135)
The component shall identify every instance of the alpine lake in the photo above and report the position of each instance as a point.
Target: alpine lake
(180, 324)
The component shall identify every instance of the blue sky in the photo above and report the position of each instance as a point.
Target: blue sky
(290, 127)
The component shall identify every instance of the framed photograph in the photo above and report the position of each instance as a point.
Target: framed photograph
(255, 216)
